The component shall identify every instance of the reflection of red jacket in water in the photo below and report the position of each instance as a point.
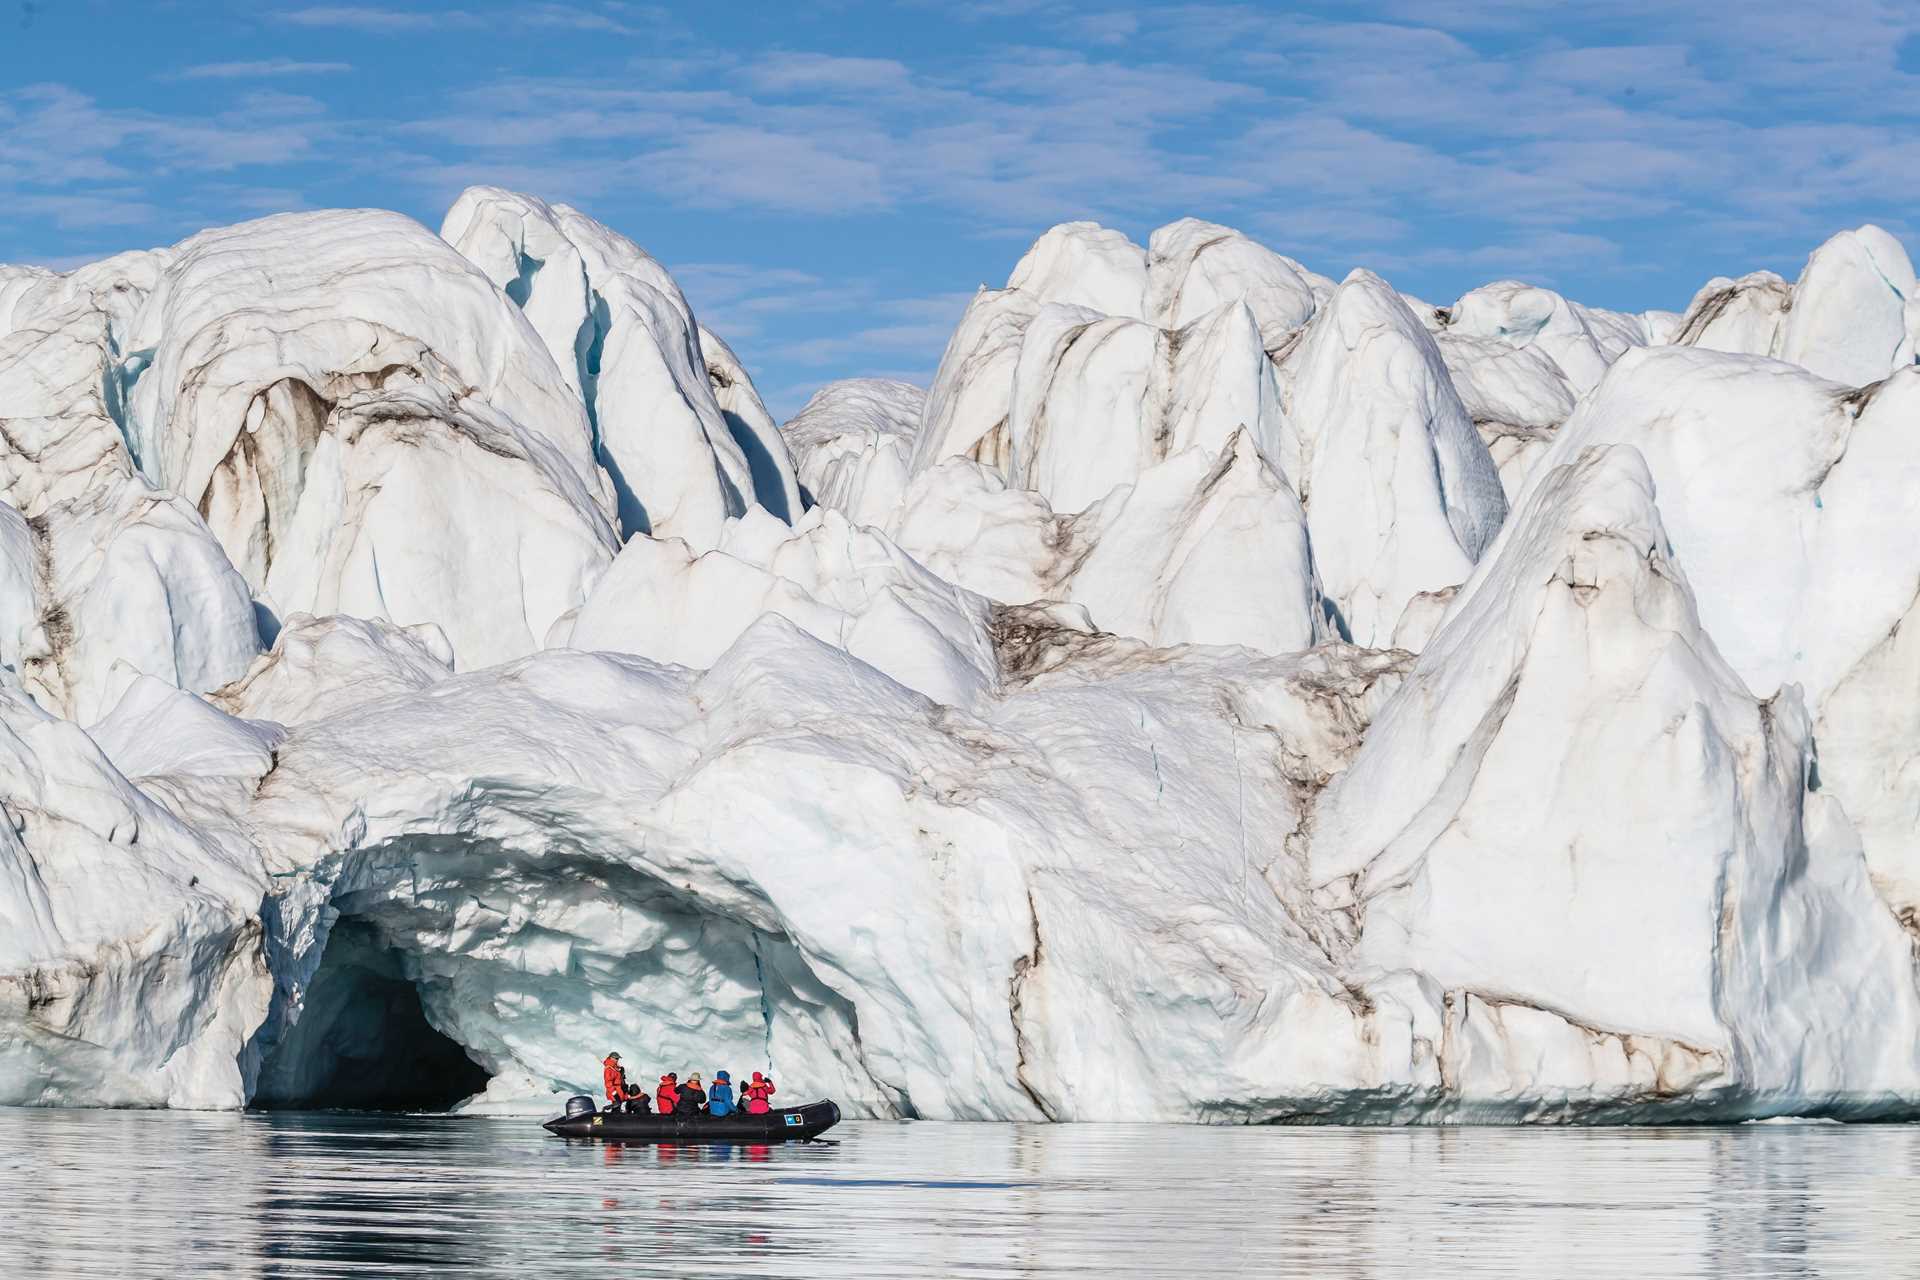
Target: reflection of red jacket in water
(668, 1095)
(616, 1077)
(756, 1092)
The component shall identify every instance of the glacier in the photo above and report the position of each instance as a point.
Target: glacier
(1226, 694)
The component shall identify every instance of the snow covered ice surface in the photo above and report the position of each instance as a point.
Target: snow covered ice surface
(1226, 694)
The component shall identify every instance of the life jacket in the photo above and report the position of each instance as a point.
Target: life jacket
(616, 1076)
(667, 1096)
(720, 1099)
(757, 1094)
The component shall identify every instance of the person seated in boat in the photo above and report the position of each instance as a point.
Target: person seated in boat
(720, 1097)
(693, 1099)
(757, 1091)
(668, 1094)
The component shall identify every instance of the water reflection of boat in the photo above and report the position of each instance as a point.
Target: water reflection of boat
(787, 1124)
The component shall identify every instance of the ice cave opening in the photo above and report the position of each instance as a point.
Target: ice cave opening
(363, 1040)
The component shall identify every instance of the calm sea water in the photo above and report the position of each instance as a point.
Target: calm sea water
(130, 1195)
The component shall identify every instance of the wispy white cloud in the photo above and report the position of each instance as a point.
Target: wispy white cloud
(918, 325)
(375, 18)
(93, 209)
(613, 19)
(1540, 257)
(740, 298)
(54, 136)
(263, 69)
(744, 300)
(831, 74)
(258, 200)
(1107, 28)
(270, 105)
(72, 164)
(571, 17)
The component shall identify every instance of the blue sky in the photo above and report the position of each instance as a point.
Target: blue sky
(830, 181)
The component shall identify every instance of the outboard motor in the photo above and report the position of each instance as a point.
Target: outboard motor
(579, 1105)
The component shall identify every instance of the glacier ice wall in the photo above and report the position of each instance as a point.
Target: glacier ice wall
(1224, 694)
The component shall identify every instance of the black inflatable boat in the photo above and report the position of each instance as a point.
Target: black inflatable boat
(788, 1124)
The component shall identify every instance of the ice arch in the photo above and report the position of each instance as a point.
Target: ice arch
(457, 965)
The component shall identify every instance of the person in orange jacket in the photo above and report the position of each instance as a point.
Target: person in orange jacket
(756, 1092)
(619, 1092)
(668, 1094)
(616, 1080)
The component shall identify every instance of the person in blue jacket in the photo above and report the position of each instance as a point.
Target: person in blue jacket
(720, 1097)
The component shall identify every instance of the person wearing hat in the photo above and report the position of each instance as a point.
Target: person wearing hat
(720, 1097)
(615, 1076)
(693, 1099)
(668, 1094)
(758, 1091)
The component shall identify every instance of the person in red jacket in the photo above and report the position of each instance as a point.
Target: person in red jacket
(616, 1079)
(619, 1092)
(756, 1092)
(668, 1094)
